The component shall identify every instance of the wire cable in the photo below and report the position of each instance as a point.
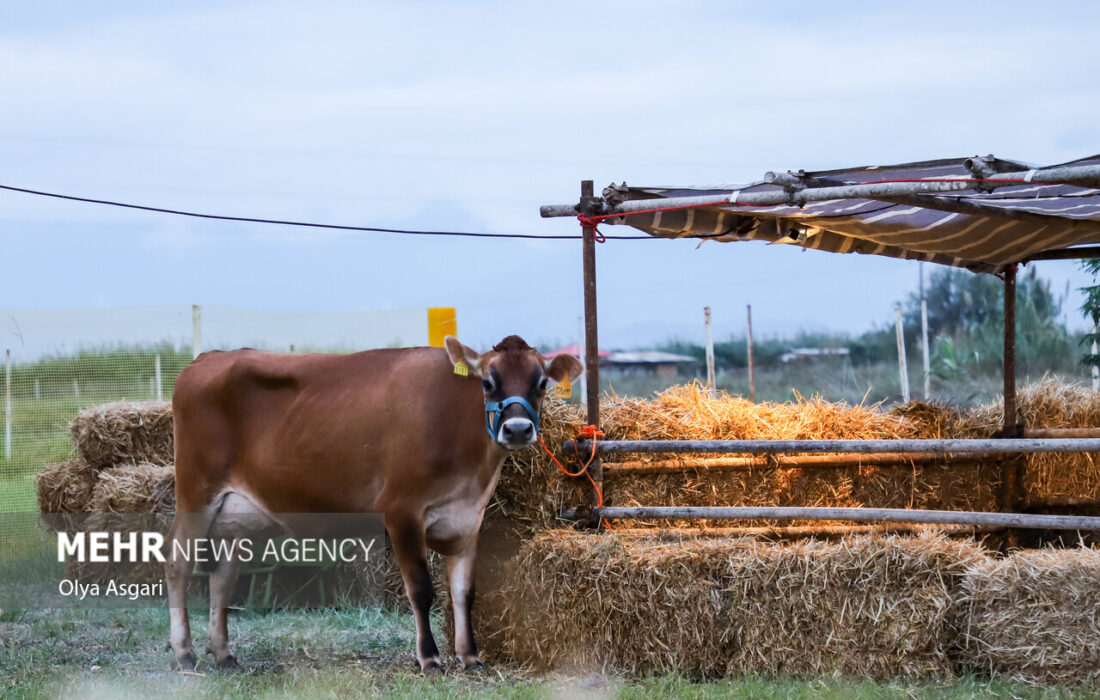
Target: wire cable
(306, 224)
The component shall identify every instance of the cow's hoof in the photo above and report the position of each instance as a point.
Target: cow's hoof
(227, 663)
(476, 667)
(433, 669)
(183, 663)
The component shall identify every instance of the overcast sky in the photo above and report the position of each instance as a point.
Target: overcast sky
(468, 116)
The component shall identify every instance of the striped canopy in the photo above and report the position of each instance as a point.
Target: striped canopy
(980, 230)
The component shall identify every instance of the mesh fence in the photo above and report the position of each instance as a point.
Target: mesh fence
(59, 362)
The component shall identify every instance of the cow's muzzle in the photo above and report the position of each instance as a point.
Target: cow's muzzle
(512, 433)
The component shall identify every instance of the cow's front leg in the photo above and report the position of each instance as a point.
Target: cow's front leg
(460, 571)
(407, 536)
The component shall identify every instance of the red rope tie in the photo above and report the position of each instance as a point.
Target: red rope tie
(590, 432)
(592, 222)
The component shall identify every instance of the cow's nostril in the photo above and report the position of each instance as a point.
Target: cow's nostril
(518, 431)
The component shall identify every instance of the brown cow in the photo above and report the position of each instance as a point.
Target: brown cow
(402, 432)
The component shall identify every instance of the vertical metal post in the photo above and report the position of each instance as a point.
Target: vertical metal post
(1012, 473)
(712, 381)
(1010, 424)
(7, 406)
(591, 340)
(903, 365)
(924, 337)
(752, 375)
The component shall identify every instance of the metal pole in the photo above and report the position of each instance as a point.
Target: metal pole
(863, 515)
(591, 340)
(1010, 422)
(156, 375)
(752, 374)
(903, 368)
(196, 333)
(7, 406)
(767, 447)
(1012, 471)
(924, 336)
(712, 385)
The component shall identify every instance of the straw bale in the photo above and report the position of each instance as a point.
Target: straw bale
(688, 412)
(1054, 404)
(132, 498)
(873, 607)
(1033, 616)
(135, 488)
(65, 487)
(125, 432)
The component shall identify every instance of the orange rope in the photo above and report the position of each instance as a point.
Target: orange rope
(590, 432)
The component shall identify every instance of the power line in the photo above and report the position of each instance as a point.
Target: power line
(306, 224)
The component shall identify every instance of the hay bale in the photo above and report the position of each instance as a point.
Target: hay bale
(125, 432)
(872, 607)
(131, 498)
(532, 490)
(1033, 616)
(65, 487)
(135, 488)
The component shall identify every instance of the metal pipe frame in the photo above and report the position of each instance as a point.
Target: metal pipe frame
(1082, 175)
(863, 515)
(768, 447)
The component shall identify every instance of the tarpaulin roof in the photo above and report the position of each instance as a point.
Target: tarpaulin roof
(975, 228)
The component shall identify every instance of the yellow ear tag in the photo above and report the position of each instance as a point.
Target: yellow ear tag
(564, 389)
(462, 369)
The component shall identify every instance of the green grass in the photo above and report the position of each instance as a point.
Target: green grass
(349, 653)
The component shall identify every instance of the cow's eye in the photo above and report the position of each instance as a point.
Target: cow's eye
(543, 384)
(487, 384)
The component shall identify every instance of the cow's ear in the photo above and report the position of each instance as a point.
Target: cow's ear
(563, 367)
(460, 353)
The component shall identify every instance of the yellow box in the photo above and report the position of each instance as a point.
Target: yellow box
(441, 323)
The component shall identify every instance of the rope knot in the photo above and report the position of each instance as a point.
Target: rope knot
(592, 222)
(590, 432)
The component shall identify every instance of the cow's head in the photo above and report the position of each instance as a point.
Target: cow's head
(514, 380)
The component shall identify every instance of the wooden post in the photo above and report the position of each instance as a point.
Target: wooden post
(752, 375)
(712, 383)
(903, 367)
(196, 333)
(7, 406)
(76, 388)
(157, 377)
(591, 339)
(37, 389)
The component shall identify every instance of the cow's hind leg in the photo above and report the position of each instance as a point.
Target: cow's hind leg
(223, 579)
(460, 571)
(179, 564)
(407, 536)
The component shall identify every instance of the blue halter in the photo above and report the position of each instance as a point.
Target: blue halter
(495, 409)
